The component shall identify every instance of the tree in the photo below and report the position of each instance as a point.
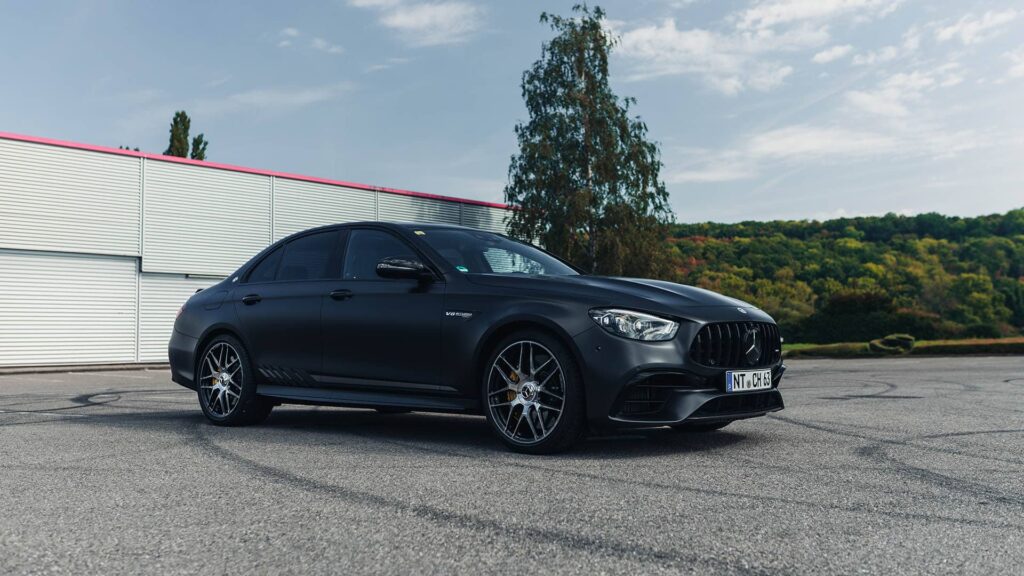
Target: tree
(586, 179)
(178, 145)
(199, 148)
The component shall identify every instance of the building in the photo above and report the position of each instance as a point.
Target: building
(100, 247)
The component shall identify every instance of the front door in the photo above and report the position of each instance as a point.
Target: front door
(279, 306)
(382, 332)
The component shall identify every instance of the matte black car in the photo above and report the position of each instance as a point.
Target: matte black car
(419, 317)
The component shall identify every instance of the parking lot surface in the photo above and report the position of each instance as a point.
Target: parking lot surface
(897, 466)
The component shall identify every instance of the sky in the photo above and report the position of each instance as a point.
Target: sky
(764, 109)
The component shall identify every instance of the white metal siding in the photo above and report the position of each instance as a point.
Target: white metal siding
(66, 309)
(160, 297)
(202, 220)
(300, 205)
(68, 200)
(484, 218)
(401, 208)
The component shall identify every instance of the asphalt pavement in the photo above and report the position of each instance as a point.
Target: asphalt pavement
(896, 466)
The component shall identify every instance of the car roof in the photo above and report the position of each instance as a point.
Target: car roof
(384, 224)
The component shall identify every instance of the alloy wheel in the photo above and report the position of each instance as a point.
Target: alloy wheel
(220, 380)
(526, 392)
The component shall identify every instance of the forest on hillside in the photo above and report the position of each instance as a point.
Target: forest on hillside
(855, 279)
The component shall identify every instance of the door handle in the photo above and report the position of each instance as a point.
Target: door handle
(341, 294)
(250, 299)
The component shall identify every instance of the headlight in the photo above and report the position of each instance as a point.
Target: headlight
(635, 325)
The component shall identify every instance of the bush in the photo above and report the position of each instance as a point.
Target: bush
(892, 344)
(898, 344)
(972, 346)
(841, 350)
(982, 331)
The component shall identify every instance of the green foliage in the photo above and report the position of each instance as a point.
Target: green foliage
(928, 347)
(199, 145)
(179, 144)
(855, 279)
(586, 178)
(892, 344)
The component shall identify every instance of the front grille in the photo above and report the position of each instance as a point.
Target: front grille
(726, 345)
(740, 404)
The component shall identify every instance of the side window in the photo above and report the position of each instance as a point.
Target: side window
(504, 262)
(266, 270)
(368, 247)
(307, 258)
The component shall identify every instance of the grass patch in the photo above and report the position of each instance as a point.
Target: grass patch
(966, 346)
(839, 350)
(971, 346)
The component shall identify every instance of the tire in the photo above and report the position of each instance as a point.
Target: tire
(700, 426)
(519, 391)
(230, 401)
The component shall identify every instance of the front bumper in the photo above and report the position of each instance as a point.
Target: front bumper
(631, 384)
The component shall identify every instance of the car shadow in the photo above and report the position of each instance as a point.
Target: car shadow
(462, 435)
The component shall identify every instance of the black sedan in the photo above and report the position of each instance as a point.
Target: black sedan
(419, 317)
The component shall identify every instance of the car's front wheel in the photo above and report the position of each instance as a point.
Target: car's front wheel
(533, 394)
(227, 386)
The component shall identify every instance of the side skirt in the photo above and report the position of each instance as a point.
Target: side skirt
(366, 399)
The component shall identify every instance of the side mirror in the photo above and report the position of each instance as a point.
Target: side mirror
(403, 268)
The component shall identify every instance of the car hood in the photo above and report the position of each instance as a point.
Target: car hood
(613, 291)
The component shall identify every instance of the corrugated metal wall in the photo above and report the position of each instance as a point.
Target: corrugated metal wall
(99, 249)
(484, 218)
(68, 200)
(301, 205)
(398, 208)
(66, 308)
(202, 221)
(160, 297)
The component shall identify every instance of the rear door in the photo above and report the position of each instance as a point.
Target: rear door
(279, 307)
(381, 332)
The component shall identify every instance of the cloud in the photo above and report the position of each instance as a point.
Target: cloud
(910, 43)
(1016, 59)
(728, 62)
(742, 52)
(428, 23)
(270, 99)
(373, 3)
(325, 46)
(286, 35)
(832, 54)
(710, 174)
(896, 92)
(769, 13)
(815, 142)
(389, 63)
(971, 29)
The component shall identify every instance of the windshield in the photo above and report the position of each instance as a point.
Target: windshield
(475, 252)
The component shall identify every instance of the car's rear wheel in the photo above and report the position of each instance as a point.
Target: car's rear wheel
(533, 394)
(700, 426)
(227, 387)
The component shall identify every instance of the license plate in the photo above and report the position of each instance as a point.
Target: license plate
(749, 380)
